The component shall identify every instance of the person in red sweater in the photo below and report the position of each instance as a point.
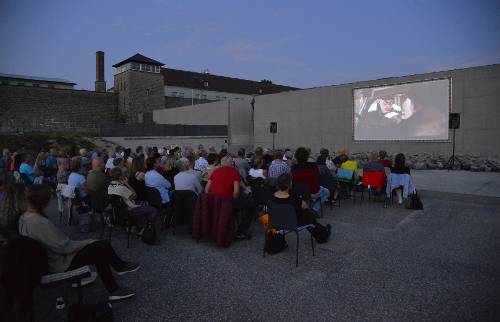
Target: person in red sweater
(308, 173)
(226, 182)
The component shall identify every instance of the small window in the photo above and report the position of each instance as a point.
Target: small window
(135, 66)
(148, 68)
(143, 67)
(50, 86)
(157, 69)
(217, 97)
(204, 96)
(181, 94)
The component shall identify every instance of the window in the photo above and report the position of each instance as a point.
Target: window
(50, 86)
(36, 85)
(204, 96)
(148, 68)
(143, 67)
(157, 69)
(217, 97)
(135, 66)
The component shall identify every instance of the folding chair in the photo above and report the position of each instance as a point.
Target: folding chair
(121, 215)
(283, 218)
(99, 202)
(183, 204)
(301, 190)
(373, 180)
(154, 200)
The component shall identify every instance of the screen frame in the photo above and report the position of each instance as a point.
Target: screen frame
(450, 86)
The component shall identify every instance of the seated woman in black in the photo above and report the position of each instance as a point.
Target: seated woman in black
(304, 215)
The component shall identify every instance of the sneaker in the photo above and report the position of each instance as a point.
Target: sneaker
(86, 280)
(120, 294)
(128, 268)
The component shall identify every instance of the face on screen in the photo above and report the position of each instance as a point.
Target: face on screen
(387, 106)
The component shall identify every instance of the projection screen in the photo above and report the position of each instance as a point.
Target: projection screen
(404, 112)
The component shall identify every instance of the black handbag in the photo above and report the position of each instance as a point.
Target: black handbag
(415, 202)
(149, 235)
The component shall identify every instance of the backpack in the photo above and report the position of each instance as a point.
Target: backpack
(100, 312)
(320, 233)
(414, 202)
(275, 243)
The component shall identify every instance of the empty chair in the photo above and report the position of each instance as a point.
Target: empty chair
(99, 202)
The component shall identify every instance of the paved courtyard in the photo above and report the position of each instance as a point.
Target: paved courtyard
(393, 264)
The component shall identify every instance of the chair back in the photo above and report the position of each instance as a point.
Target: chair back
(98, 201)
(301, 190)
(373, 179)
(183, 203)
(282, 216)
(139, 187)
(345, 175)
(260, 195)
(154, 197)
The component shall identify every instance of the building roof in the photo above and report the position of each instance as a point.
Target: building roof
(138, 58)
(210, 82)
(37, 78)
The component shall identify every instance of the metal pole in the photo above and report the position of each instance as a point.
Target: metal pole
(273, 140)
(228, 124)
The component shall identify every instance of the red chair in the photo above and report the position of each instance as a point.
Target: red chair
(374, 180)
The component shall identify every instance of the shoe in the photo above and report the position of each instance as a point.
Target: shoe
(120, 294)
(243, 236)
(128, 268)
(86, 280)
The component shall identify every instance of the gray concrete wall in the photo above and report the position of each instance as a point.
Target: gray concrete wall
(323, 117)
(237, 115)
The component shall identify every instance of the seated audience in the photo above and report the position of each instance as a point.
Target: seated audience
(383, 159)
(326, 178)
(26, 168)
(12, 203)
(241, 163)
(308, 173)
(62, 170)
(77, 180)
(201, 163)
(185, 180)
(65, 254)
(212, 160)
(136, 178)
(191, 163)
(278, 166)
(97, 181)
(340, 158)
(400, 168)
(225, 182)
(154, 179)
(373, 164)
(256, 171)
(303, 213)
(119, 186)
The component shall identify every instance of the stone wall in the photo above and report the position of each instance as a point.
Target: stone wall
(25, 109)
(139, 93)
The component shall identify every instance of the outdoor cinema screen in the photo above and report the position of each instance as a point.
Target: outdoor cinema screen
(411, 111)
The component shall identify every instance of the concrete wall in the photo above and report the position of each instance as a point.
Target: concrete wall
(42, 109)
(237, 115)
(322, 117)
(165, 141)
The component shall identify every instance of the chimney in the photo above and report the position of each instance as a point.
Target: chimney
(100, 83)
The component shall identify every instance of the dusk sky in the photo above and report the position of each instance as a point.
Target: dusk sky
(297, 43)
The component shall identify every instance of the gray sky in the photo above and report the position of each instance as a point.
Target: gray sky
(297, 43)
